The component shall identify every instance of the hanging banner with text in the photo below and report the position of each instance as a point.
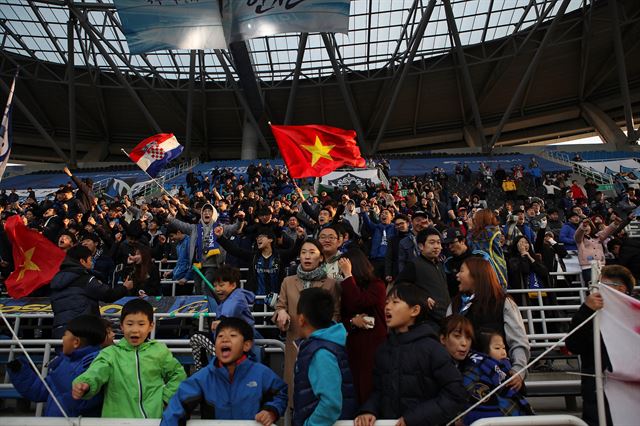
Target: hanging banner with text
(158, 25)
(245, 19)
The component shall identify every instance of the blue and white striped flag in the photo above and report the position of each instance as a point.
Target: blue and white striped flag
(5, 132)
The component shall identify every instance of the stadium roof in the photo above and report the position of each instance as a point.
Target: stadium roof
(379, 33)
(488, 73)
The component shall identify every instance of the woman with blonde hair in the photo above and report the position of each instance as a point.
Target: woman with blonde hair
(484, 239)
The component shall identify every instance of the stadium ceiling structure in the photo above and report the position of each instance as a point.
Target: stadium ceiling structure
(411, 75)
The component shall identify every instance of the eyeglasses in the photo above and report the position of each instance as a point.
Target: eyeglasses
(327, 238)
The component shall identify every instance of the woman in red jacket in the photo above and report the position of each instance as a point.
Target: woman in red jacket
(362, 311)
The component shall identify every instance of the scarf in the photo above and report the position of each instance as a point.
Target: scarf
(313, 275)
(466, 303)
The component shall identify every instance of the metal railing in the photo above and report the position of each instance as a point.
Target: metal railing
(587, 172)
(150, 188)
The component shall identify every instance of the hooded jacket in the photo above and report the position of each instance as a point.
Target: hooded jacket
(324, 389)
(415, 378)
(254, 388)
(74, 292)
(237, 305)
(196, 232)
(138, 380)
(62, 370)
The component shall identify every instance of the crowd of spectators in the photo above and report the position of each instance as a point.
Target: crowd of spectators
(456, 241)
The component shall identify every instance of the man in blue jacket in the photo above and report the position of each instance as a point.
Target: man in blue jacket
(80, 345)
(568, 231)
(382, 232)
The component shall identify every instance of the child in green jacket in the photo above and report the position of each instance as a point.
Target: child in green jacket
(139, 375)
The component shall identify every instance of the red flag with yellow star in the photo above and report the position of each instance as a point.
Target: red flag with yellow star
(36, 259)
(314, 150)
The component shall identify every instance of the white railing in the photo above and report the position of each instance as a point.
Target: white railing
(548, 420)
(587, 172)
(150, 188)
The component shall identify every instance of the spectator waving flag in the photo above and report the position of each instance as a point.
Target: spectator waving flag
(36, 259)
(5, 132)
(314, 150)
(153, 153)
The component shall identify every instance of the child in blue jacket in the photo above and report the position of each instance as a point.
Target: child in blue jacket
(324, 391)
(80, 345)
(232, 387)
(235, 302)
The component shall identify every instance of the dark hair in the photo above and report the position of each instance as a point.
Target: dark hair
(69, 234)
(137, 306)
(79, 253)
(401, 216)
(88, 328)
(338, 228)
(488, 294)
(226, 273)
(314, 242)
(362, 269)
(236, 324)
(425, 233)
(457, 322)
(316, 304)
(172, 229)
(619, 272)
(484, 339)
(141, 271)
(412, 295)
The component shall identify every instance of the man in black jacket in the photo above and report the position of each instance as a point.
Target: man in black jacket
(85, 195)
(427, 272)
(75, 291)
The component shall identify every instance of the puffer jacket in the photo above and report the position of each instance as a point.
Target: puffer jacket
(138, 380)
(62, 370)
(415, 378)
(75, 292)
(592, 248)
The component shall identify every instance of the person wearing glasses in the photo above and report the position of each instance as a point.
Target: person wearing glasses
(581, 342)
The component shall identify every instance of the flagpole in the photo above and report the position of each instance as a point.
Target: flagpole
(597, 352)
(150, 177)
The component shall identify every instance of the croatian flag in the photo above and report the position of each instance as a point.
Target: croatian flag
(5, 132)
(153, 153)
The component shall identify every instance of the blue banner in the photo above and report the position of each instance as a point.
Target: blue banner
(162, 24)
(245, 19)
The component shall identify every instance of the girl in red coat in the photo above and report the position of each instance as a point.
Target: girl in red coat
(362, 311)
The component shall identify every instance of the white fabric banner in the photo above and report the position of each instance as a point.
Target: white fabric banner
(245, 19)
(158, 25)
(346, 177)
(620, 330)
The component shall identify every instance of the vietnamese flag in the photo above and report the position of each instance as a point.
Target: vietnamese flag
(314, 150)
(36, 259)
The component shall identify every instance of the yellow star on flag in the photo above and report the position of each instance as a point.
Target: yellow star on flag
(28, 264)
(318, 151)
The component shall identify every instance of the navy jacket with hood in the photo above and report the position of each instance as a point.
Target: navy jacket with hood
(62, 371)
(75, 292)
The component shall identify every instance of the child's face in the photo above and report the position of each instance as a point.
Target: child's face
(108, 340)
(497, 349)
(69, 343)
(136, 328)
(230, 345)
(399, 315)
(457, 343)
(224, 289)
